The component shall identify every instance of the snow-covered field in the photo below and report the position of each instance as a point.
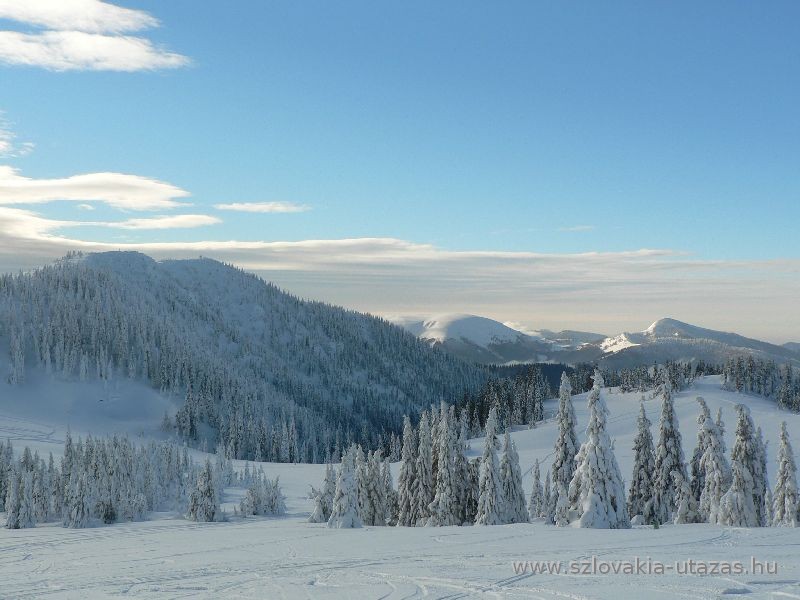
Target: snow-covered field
(289, 558)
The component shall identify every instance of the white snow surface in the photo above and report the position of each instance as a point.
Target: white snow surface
(169, 557)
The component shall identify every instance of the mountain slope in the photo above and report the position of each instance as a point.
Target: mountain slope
(266, 374)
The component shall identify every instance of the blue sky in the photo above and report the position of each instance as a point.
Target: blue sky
(521, 127)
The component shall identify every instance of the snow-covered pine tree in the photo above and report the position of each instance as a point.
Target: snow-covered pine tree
(461, 472)
(550, 500)
(13, 497)
(716, 474)
(566, 446)
(344, 514)
(706, 428)
(318, 514)
(204, 500)
(444, 508)
(747, 453)
(785, 497)
(78, 506)
(536, 500)
(760, 482)
(423, 489)
(721, 429)
(376, 489)
(669, 455)
(472, 491)
(736, 506)
(640, 495)
(561, 515)
(406, 480)
(511, 484)
(490, 494)
(685, 502)
(362, 487)
(597, 482)
(390, 516)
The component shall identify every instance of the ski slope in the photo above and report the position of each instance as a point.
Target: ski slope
(289, 558)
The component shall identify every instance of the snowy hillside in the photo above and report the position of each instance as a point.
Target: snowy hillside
(287, 557)
(237, 361)
(483, 340)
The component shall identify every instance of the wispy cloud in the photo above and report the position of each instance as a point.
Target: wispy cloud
(162, 222)
(81, 35)
(264, 207)
(9, 146)
(85, 207)
(123, 191)
(576, 228)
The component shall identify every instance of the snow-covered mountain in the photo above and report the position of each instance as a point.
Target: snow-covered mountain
(243, 363)
(477, 339)
(487, 341)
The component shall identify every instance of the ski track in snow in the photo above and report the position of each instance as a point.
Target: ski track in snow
(287, 558)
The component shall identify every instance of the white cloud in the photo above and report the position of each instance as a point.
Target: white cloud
(610, 292)
(80, 15)
(81, 35)
(76, 50)
(264, 207)
(130, 192)
(577, 228)
(85, 207)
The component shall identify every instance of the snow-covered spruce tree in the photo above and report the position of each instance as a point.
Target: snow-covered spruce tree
(472, 491)
(566, 446)
(549, 501)
(716, 475)
(736, 507)
(390, 516)
(423, 482)
(461, 470)
(444, 508)
(747, 453)
(204, 500)
(669, 455)
(492, 427)
(721, 429)
(597, 482)
(760, 482)
(536, 500)
(263, 497)
(640, 495)
(685, 502)
(561, 514)
(785, 496)
(13, 498)
(362, 487)
(490, 493)
(323, 497)
(77, 509)
(706, 429)
(406, 480)
(376, 490)
(511, 483)
(345, 500)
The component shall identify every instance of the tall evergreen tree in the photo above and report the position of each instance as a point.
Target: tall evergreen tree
(406, 481)
(747, 453)
(640, 495)
(344, 514)
(511, 483)
(669, 455)
(785, 497)
(597, 483)
(423, 490)
(536, 501)
(490, 494)
(566, 446)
